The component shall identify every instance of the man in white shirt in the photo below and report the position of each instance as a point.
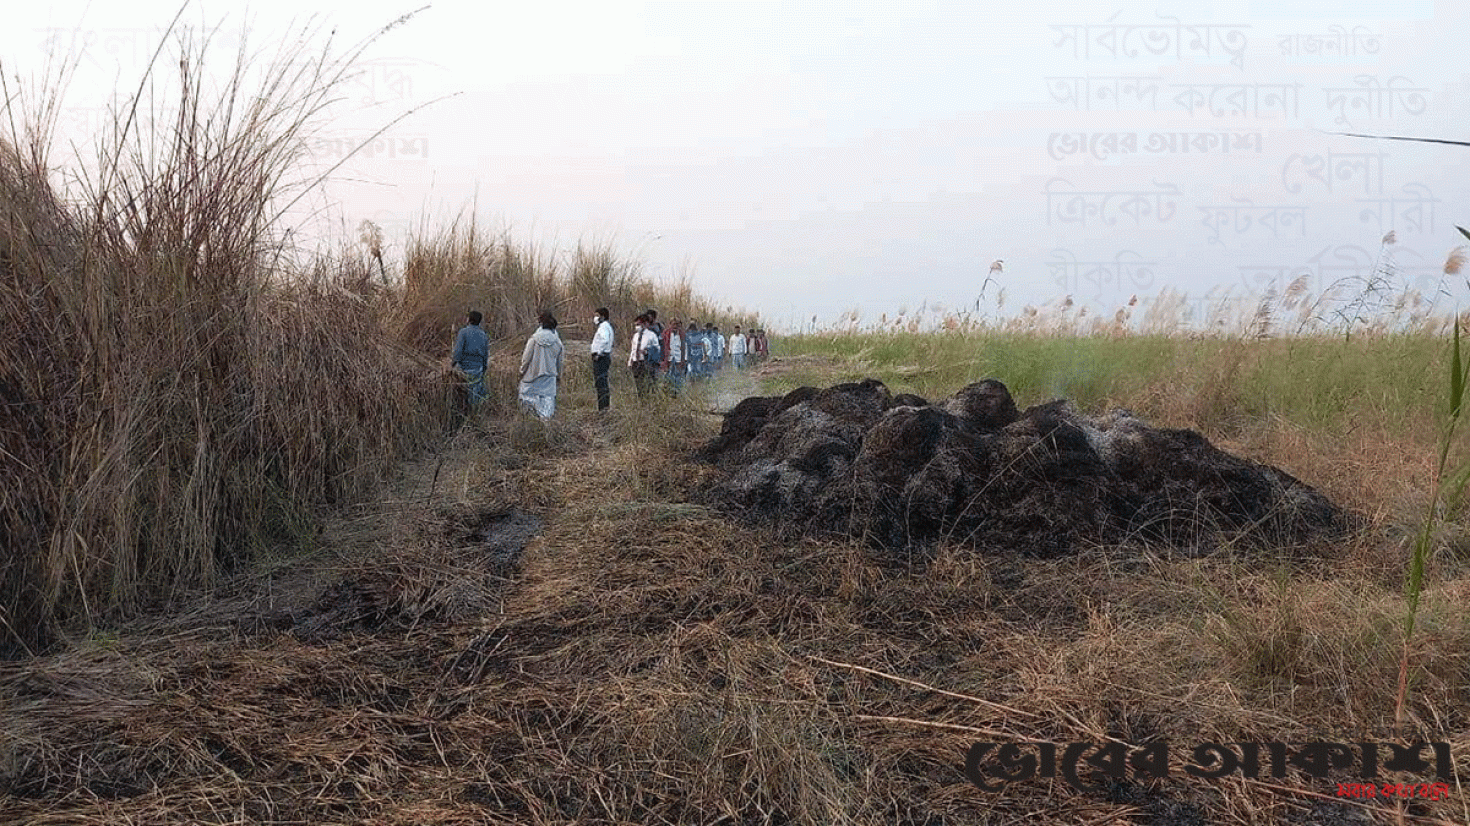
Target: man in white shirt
(673, 345)
(737, 350)
(602, 345)
(643, 371)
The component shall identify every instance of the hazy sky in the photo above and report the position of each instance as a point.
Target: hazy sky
(816, 157)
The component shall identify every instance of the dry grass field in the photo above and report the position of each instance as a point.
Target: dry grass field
(645, 659)
(258, 567)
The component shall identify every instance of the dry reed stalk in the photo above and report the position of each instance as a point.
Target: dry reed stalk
(182, 392)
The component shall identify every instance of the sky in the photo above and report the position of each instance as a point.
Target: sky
(807, 160)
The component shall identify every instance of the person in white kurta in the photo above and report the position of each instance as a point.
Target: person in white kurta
(540, 366)
(738, 346)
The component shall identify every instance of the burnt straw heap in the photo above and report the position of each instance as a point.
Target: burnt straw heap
(906, 474)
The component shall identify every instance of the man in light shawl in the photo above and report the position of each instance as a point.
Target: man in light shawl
(540, 367)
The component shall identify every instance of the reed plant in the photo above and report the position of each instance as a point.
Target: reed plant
(181, 388)
(1448, 484)
(178, 389)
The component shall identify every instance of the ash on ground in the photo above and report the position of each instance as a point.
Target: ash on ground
(855, 459)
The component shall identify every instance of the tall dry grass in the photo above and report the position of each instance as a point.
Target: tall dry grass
(171, 400)
(179, 387)
(471, 266)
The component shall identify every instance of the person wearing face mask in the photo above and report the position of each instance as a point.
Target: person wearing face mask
(643, 356)
(602, 346)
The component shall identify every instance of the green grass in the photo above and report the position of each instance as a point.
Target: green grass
(1322, 385)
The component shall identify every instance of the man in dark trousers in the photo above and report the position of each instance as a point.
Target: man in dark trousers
(640, 360)
(602, 346)
(651, 322)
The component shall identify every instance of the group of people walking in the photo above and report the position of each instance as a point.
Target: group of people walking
(680, 353)
(658, 357)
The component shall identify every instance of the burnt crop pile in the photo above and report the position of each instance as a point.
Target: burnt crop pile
(975, 470)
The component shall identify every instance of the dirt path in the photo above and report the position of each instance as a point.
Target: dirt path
(730, 386)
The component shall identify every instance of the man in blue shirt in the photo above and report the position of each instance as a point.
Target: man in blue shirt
(696, 352)
(471, 355)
